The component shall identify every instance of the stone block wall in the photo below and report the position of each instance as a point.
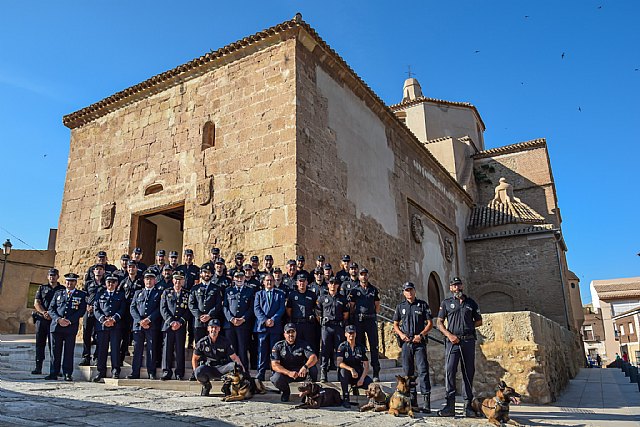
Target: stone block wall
(529, 352)
(362, 176)
(238, 195)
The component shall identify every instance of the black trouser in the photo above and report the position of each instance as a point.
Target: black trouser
(150, 336)
(63, 341)
(109, 337)
(307, 331)
(191, 327)
(174, 344)
(332, 336)
(126, 336)
(88, 332)
(158, 345)
(347, 380)
(414, 358)
(281, 381)
(206, 373)
(464, 351)
(370, 328)
(43, 327)
(239, 337)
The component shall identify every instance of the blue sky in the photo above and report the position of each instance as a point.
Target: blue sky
(58, 57)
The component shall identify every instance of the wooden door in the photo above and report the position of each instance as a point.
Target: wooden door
(146, 239)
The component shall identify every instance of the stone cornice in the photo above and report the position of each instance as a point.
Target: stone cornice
(406, 104)
(514, 148)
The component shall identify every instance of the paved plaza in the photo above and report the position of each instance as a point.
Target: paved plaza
(596, 397)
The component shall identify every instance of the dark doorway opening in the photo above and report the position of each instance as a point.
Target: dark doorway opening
(433, 293)
(159, 229)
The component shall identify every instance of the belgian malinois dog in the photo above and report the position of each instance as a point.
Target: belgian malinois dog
(240, 385)
(496, 408)
(378, 399)
(400, 402)
(315, 396)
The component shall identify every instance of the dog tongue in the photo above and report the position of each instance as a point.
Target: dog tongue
(515, 400)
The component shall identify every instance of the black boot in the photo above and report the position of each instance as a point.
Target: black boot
(469, 412)
(449, 409)
(86, 361)
(426, 400)
(206, 388)
(414, 399)
(323, 375)
(345, 401)
(38, 370)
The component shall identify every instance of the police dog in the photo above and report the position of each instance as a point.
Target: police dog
(400, 402)
(315, 396)
(496, 408)
(378, 399)
(238, 385)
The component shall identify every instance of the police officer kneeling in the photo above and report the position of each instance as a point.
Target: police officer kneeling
(215, 356)
(412, 322)
(353, 364)
(292, 360)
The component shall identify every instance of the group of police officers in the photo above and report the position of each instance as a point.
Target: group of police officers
(168, 306)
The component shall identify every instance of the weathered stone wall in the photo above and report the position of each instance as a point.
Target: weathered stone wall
(238, 195)
(529, 352)
(23, 268)
(517, 273)
(362, 181)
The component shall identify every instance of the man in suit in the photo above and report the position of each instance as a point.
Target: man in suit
(174, 307)
(268, 306)
(145, 312)
(67, 307)
(108, 308)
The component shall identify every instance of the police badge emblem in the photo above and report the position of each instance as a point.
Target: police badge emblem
(453, 305)
(295, 297)
(326, 300)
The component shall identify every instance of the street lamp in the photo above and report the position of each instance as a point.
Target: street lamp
(6, 247)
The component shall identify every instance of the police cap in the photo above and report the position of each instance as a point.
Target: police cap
(268, 257)
(239, 255)
(220, 261)
(353, 265)
(161, 252)
(455, 281)
(408, 285)
(149, 273)
(327, 266)
(173, 254)
(111, 279)
(346, 258)
(254, 258)
(364, 270)
(205, 267)
(215, 251)
(290, 327)
(300, 258)
(238, 273)
(53, 272)
(291, 262)
(125, 257)
(332, 280)
(320, 258)
(167, 267)
(350, 329)
(317, 270)
(72, 277)
(131, 263)
(188, 251)
(247, 267)
(101, 254)
(300, 277)
(137, 250)
(277, 270)
(178, 275)
(98, 266)
(213, 322)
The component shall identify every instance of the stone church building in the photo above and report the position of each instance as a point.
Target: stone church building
(274, 145)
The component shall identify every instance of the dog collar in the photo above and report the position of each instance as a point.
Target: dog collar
(501, 403)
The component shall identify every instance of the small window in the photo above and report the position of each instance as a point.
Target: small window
(630, 328)
(208, 135)
(573, 286)
(33, 288)
(153, 189)
(621, 329)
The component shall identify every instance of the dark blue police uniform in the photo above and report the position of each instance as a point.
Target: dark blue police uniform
(174, 307)
(365, 320)
(44, 295)
(205, 298)
(302, 308)
(92, 288)
(238, 303)
(109, 304)
(354, 358)
(214, 358)
(333, 311)
(292, 357)
(146, 305)
(71, 306)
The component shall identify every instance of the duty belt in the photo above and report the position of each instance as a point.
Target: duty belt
(362, 316)
(333, 322)
(466, 337)
(302, 320)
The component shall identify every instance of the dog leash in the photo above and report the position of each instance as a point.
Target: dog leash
(498, 403)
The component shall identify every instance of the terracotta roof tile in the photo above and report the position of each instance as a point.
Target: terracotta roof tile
(533, 229)
(507, 149)
(622, 284)
(497, 213)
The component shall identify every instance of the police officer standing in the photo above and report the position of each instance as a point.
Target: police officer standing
(289, 278)
(292, 360)
(160, 262)
(136, 255)
(365, 306)
(101, 259)
(174, 308)
(411, 323)
(343, 274)
(463, 317)
(353, 364)
(205, 303)
(166, 282)
(66, 309)
(333, 311)
(238, 312)
(108, 308)
(42, 318)
(190, 271)
(301, 306)
(92, 288)
(219, 274)
(268, 267)
(352, 281)
(213, 356)
(145, 312)
(128, 286)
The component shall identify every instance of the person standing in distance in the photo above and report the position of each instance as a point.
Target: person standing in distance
(412, 322)
(42, 318)
(463, 317)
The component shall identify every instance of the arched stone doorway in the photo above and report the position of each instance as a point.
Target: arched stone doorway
(434, 296)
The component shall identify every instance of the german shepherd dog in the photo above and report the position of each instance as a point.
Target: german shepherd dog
(496, 409)
(238, 385)
(378, 399)
(400, 402)
(315, 396)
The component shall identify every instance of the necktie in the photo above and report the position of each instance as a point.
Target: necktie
(269, 297)
(68, 294)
